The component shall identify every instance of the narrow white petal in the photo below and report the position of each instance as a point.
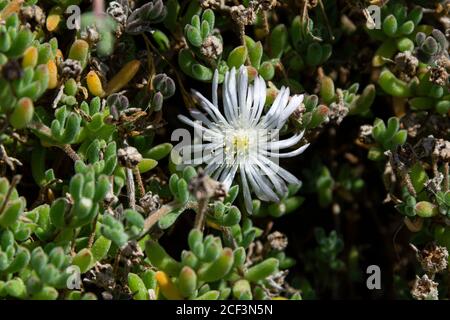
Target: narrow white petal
(242, 93)
(215, 84)
(278, 103)
(294, 103)
(227, 103)
(199, 116)
(278, 182)
(275, 112)
(212, 166)
(198, 126)
(230, 87)
(261, 188)
(248, 106)
(288, 154)
(217, 173)
(286, 143)
(229, 178)
(210, 108)
(286, 175)
(261, 91)
(246, 191)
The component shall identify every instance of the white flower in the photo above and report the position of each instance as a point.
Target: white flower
(243, 139)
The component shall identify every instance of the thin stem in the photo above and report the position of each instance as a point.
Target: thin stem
(434, 166)
(408, 183)
(131, 189)
(265, 23)
(70, 152)
(116, 260)
(44, 130)
(73, 243)
(200, 216)
(153, 218)
(140, 184)
(92, 235)
(446, 173)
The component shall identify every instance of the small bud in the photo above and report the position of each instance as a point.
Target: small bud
(94, 84)
(22, 114)
(157, 101)
(187, 281)
(164, 84)
(70, 87)
(79, 51)
(30, 57)
(53, 19)
(117, 103)
(267, 70)
(390, 25)
(53, 74)
(252, 73)
(426, 209)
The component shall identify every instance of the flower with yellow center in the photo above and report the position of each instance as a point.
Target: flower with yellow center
(243, 139)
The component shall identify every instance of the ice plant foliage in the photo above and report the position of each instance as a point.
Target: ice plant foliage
(243, 140)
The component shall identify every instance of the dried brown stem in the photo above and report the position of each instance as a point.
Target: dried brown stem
(139, 182)
(200, 216)
(70, 152)
(446, 173)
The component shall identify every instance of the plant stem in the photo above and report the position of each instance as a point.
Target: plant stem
(44, 130)
(92, 235)
(153, 218)
(200, 216)
(70, 152)
(131, 189)
(140, 184)
(446, 173)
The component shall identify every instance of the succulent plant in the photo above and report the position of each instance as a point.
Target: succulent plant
(98, 202)
(430, 49)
